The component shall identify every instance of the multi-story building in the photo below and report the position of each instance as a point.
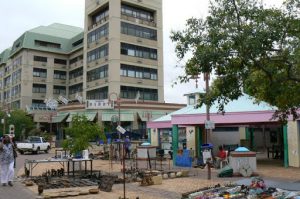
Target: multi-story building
(118, 54)
(124, 37)
(44, 62)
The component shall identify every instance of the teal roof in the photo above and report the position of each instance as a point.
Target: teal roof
(5, 55)
(243, 104)
(65, 35)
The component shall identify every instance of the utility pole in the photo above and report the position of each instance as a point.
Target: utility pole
(206, 78)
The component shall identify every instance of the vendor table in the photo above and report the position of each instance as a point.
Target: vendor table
(33, 163)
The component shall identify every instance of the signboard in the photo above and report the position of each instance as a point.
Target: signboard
(209, 124)
(99, 104)
(121, 129)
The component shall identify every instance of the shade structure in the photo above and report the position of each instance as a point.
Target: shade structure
(90, 115)
(59, 118)
(126, 116)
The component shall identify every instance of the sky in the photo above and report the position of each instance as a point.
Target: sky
(18, 16)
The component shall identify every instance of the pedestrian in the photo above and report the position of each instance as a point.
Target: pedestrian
(13, 141)
(127, 146)
(7, 161)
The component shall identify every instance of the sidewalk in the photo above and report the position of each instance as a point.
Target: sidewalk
(18, 191)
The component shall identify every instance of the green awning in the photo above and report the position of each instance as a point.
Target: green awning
(90, 115)
(146, 116)
(126, 116)
(59, 117)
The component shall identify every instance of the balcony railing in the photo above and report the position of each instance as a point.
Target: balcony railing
(139, 21)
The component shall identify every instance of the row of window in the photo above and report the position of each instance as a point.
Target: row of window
(102, 15)
(128, 92)
(98, 73)
(137, 13)
(138, 51)
(138, 31)
(138, 72)
(45, 59)
(47, 44)
(40, 72)
(76, 73)
(75, 88)
(76, 59)
(98, 53)
(99, 93)
(59, 90)
(39, 88)
(98, 33)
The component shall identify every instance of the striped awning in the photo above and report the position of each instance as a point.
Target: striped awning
(90, 115)
(59, 117)
(125, 116)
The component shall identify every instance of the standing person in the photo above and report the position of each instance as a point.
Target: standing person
(127, 146)
(7, 161)
(14, 144)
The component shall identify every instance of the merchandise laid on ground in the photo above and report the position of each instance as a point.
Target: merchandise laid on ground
(257, 189)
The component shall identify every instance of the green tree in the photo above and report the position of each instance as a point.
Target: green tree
(20, 120)
(81, 132)
(250, 48)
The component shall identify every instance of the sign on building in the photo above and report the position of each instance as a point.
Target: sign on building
(99, 104)
(209, 124)
(121, 129)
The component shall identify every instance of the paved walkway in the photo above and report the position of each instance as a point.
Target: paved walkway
(18, 191)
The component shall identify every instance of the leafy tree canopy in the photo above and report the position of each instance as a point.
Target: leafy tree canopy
(19, 119)
(250, 48)
(81, 132)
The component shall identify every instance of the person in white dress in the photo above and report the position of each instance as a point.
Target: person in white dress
(7, 161)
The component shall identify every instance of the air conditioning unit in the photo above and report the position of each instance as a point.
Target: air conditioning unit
(96, 62)
(139, 61)
(106, 80)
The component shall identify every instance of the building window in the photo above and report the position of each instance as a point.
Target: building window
(77, 43)
(38, 104)
(138, 31)
(75, 88)
(7, 81)
(16, 104)
(98, 33)
(137, 13)
(128, 92)
(59, 90)
(76, 73)
(138, 72)
(16, 76)
(76, 59)
(99, 93)
(46, 44)
(39, 59)
(192, 100)
(59, 74)
(39, 88)
(138, 51)
(15, 90)
(60, 61)
(40, 72)
(100, 16)
(98, 73)
(98, 53)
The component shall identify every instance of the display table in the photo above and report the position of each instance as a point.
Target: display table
(237, 160)
(31, 164)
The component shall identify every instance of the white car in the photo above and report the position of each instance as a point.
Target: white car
(34, 144)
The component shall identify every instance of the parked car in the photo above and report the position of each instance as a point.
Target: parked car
(33, 144)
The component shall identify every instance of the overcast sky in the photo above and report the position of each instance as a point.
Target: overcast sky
(18, 16)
